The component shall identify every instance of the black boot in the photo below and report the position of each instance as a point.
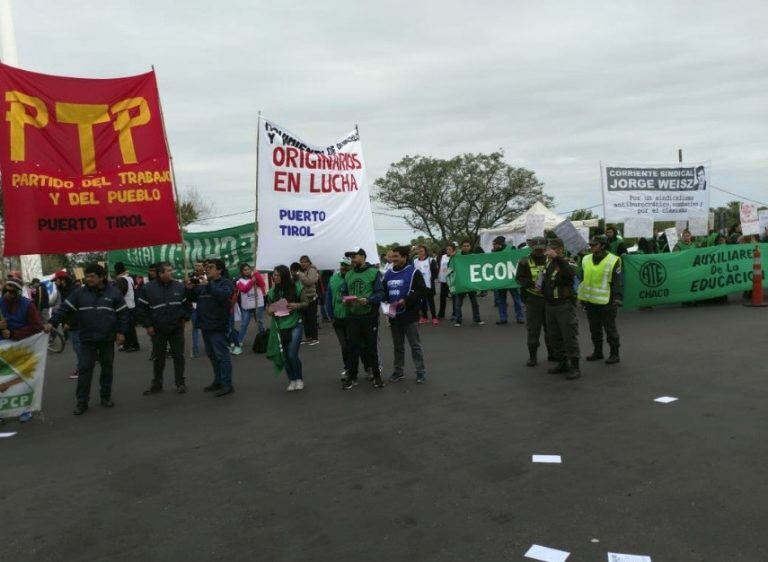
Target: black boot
(532, 359)
(596, 354)
(614, 356)
(552, 356)
(574, 372)
(560, 368)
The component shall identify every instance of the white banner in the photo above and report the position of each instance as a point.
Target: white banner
(698, 225)
(762, 218)
(672, 238)
(312, 200)
(665, 192)
(534, 225)
(638, 227)
(750, 221)
(572, 238)
(22, 372)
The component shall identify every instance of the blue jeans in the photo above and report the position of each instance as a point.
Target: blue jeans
(217, 349)
(500, 297)
(195, 334)
(458, 301)
(245, 320)
(74, 337)
(291, 340)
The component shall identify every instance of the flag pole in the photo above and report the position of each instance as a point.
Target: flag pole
(173, 183)
(256, 200)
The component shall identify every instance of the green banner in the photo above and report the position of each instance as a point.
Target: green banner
(484, 272)
(691, 275)
(233, 245)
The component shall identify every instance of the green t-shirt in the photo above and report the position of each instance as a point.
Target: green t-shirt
(360, 284)
(339, 308)
(285, 322)
(682, 246)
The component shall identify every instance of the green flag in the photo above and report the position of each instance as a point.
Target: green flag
(698, 274)
(275, 348)
(233, 245)
(483, 272)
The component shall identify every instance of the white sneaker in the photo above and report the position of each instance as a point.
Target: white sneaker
(299, 384)
(237, 350)
(291, 386)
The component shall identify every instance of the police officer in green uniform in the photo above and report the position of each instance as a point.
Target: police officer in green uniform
(530, 276)
(562, 322)
(601, 291)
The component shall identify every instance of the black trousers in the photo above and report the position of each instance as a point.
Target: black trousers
(131, 339)
(603, 317)
(90, 352)
(160, 343)
(309, 317)
(340, 327)
(428, 302)
(445, 292)
(362, 341)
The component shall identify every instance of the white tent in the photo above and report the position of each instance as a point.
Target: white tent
(514, 231)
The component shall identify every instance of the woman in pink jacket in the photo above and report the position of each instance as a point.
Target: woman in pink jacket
(251, 289)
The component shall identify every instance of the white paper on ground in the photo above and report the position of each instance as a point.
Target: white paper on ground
(547, 458)
(546, 554)
(7, 434)
(614, 557)
(665, 399)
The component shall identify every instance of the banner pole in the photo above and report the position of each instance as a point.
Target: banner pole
(173, 183)
(256, 198)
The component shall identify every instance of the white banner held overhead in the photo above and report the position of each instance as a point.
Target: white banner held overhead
(750, 221)
(571, 237)
(534, 225)
(698, 225)
(665, 192)
(638, 227)
(312, 200)
(672, 238)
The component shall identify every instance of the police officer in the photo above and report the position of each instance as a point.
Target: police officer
(601, 291)
(562, 322)
(162, 308)
(102, 317)
(530, 276)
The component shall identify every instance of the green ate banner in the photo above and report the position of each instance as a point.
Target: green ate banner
(485, 272)
(691, 275)
(233, 245)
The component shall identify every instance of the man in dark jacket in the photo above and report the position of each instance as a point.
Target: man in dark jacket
(530, 276)
(404, 287)
(213, 297)
(102, 317)
(19, 316)
(562, 322)
(364, 291)
(162, 308)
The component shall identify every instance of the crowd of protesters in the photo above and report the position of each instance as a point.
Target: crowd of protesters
(286, 308)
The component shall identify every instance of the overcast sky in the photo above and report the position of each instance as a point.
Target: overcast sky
(559, 86)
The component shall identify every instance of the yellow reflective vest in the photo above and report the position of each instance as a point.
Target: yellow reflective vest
(596, 285)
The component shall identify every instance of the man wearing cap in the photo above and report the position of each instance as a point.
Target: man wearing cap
(601, 291)
(19, 317)
(337, 310)
(562, 322)
(530, 276)
(500, 295)
(363, 282)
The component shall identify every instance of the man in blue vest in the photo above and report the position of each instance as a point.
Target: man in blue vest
(404, 287)
(19, 317)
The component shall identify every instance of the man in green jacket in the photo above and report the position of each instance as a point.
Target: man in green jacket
(337, 310)
(362, 291)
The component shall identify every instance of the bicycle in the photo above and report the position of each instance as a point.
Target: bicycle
(57, 341)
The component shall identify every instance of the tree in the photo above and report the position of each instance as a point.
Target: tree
(191, 207)
(453, 199)
(582, 215)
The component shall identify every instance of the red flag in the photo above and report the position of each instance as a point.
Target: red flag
(84, 164)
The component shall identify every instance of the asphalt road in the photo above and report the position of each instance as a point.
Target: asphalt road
(434, 472)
